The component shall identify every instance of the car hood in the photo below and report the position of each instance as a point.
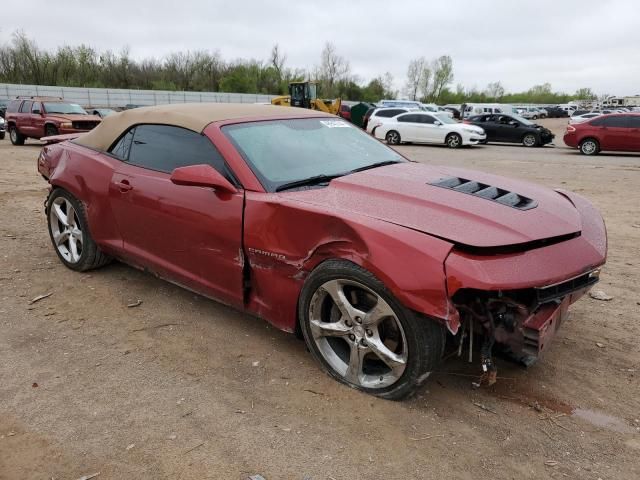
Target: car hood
(70, 117)
(402, 194)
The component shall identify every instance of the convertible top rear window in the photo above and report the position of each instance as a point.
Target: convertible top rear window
(283, 151)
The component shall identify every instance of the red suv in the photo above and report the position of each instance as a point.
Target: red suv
(37, 117)
(618, 131)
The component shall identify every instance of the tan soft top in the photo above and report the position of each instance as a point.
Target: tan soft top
(194, 116)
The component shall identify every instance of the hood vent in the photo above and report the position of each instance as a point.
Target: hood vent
(495, 194)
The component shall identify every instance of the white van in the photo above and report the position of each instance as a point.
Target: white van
(481, 108)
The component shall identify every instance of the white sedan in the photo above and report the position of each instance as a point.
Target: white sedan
(422, 127)
(583, 118)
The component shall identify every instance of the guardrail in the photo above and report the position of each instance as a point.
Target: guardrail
(116, 97)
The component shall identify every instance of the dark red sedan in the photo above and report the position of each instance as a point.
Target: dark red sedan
(616, 132)
(306, 221)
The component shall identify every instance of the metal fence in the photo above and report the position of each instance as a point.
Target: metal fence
(117, 97)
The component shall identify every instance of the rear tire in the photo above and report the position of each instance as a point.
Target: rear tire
(16, 137)
(1, 135)
(393, 138)
(589, 146)
(50, 130)
(453, 140)
(69, 233)
(359, 350)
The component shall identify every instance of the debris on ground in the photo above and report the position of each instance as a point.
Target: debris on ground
(485, 408)
(551, 463)
(256, 477)
(34, 385)
(89, 477)
(130, 446)
(256, 363)
(600, 295)
(599, 345)
(40, 297)
(137, 303)
(173, 436)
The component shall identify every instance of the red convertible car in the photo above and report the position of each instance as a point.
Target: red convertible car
(302, 219)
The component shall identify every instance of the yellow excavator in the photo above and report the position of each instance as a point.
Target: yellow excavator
(305, 95)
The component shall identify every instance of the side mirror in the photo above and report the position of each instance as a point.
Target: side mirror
(513, 124)
(202, 176)
(36, 112)
(437, 123)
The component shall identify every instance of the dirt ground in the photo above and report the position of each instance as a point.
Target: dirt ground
(184, 388)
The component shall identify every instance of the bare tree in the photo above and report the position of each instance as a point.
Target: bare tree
(333, 68)
(414, 77)
(442, 76)
(495, 90)
(277, 60)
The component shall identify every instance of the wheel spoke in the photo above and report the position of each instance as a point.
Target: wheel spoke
(71, 215)
(60, 215)
(336, 292)
(328, 329)
(73, 248)
(61, 237)
(393, 360)
(356, 361)
(381, 310)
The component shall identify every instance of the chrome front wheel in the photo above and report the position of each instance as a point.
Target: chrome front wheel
(358, 334)
(362, 336)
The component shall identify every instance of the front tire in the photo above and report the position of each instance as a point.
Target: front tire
(453, 140)
(393, 138)
(530, 140)
(589, 146)
(362, 336)
(69, 233)
(1, 135)
(15, 136)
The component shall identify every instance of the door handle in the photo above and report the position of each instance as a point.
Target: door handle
(124, 186)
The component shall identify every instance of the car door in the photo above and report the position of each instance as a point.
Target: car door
(615, 133)
(407, 127)
(634, 132)
(490, 127)
(23, 119)
(37, 119)
(191, 235)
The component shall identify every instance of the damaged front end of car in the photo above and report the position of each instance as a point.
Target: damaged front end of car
(519, 323)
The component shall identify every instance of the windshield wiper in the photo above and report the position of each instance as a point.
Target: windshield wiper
(315, 180)
(374, 165)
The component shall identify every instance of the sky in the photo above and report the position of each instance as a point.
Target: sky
(568, 43)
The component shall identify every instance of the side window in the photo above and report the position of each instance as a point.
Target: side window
(598, 122)
(26, 106)
(164, 148)
(36, 108)
(409, 118)
(428, 119)
(123, 146)
(617, 121)
(634, 121)
(389, 112)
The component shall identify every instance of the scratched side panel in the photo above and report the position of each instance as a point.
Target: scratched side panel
(284, 240)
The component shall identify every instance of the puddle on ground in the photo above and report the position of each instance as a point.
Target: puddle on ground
(603, 420)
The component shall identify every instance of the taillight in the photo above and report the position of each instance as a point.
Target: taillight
(571, 129)
(466, 121)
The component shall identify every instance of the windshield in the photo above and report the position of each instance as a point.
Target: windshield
(284, 151)
(64, 108)
(522, 120)
(444, 118)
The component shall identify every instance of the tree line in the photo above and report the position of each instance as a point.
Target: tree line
(22, 61)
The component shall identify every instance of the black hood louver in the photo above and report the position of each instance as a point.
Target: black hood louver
(482, 190)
